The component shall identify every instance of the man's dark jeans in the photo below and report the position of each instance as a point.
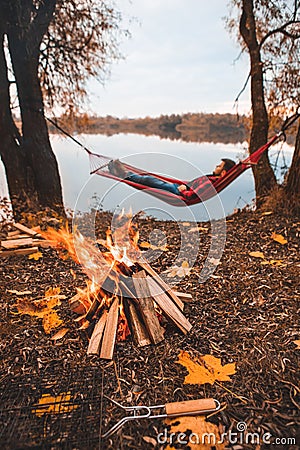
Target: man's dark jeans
(149, 180)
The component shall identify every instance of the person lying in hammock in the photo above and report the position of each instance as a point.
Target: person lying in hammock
(190, 190)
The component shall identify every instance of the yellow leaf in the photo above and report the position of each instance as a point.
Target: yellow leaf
(257, 254)
(186, 224)
(36, 256)
(60, 334)
(163, 248)
(298, 344)
(60, 404)
(267, 213)
(278, 238)
(51, 321)
(205, 369)
(205, 435)
(274, 262)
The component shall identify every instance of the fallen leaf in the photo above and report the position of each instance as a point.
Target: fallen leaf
(36, 256)
(267, 213)
(19, 292)
(298, 344)
(60, 404)
(205, 435)
(205, 369)
(278, 238)
(181, 271)
(186, 224)
(60, 334)
(43, 308)
(214, 261)
(273, 262)
(163, 248)
(257, 254)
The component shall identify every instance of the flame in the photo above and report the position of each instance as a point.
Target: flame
(122, 253)
(123, 328)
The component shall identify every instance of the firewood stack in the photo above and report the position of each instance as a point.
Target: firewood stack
(124, 294)
(140, 303)
(22, 241)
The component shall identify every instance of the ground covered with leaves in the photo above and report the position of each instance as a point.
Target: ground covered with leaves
(243, 349)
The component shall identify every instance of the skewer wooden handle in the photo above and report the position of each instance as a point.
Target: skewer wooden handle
(190, 406)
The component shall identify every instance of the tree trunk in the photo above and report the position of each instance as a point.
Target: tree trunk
(18, 171)
(292, 187)
(263, 174)
(36, 143)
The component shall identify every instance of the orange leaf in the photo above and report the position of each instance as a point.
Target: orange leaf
(205, 369)
(278, 238)
(257, 254)
(60, 404)
(205, 435)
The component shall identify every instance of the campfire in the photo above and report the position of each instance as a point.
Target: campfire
(124, 296)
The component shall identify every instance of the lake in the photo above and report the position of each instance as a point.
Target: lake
(180, 159)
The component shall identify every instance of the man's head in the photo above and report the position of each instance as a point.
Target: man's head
(223, 167)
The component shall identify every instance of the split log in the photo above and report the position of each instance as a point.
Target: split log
(138, 328)
(15, 243)
(168, 307)
(25, 229)
(110, 331)
(146, 266)
(95, 341)
(19, 251)
(146, 306)
(183, 295)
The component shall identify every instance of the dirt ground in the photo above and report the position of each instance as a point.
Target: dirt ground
(246, 312)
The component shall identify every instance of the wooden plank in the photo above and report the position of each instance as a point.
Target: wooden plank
(19, 251)
(16, 235)
(146, 266)
(13, 233)
(25, 229)
(42, 243)
(146, 307)
(95, 341)
(110, 331)
(138, 328)
(184, 296)
(15, 243)
(168, 307)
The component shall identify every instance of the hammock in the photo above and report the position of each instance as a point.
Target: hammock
(99, 166)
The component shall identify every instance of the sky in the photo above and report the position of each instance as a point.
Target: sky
(179, 59)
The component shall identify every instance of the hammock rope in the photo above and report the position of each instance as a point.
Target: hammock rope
(99, 165)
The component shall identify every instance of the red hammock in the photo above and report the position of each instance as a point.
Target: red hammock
(99, 166)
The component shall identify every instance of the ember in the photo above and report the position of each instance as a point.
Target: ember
(124, 296)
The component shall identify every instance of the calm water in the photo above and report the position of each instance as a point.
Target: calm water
(179, 159)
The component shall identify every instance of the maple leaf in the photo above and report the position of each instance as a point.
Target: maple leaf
(257, 255)
(181, 271)
(36, 256)
(54, 405)
(43, 308)
(278, 238)
(205, 435)
(205, 369)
